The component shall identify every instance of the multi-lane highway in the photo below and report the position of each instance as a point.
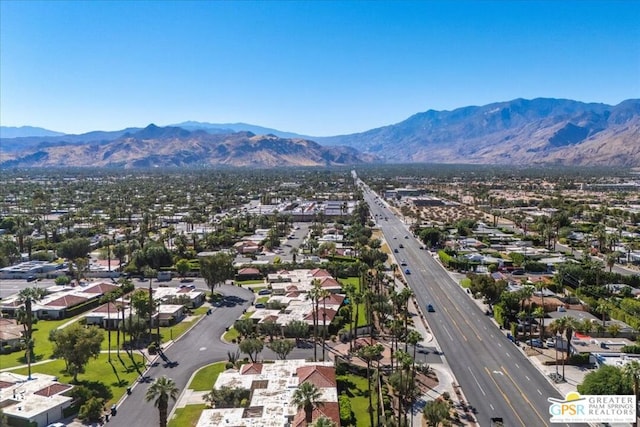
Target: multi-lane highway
(496, 378)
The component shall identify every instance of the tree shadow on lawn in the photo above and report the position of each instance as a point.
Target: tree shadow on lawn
(120, 382)
(98, 388)
(131, 364)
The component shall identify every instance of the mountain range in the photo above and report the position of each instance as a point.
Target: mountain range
(517, 132)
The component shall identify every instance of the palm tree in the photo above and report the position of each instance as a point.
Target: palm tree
(324, 422)
(631, 370)
(370, 353)
(27, 297)
(314, 295)
(603, 309)
(162, 390)
(539, 313)
(566, 324)
(307, 396)
(557, 327)
(108, 298)
(324, 294)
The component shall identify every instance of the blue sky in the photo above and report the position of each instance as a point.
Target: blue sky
(316, 68)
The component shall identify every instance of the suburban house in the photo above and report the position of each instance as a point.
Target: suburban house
(248, 273)
(272, 387)
(11, 334)
(38, 401)
(61, 301)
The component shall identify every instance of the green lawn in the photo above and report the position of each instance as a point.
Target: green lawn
(358, 392)
(204, 379)
(187, 416)
(350, 280)
(43, 347)
(362, 313)
(465, 283)
(118, 375)
(232, 334)
(251, 282)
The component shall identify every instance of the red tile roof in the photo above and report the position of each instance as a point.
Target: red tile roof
(320, 272)
(101, 288)
(251, 369)
(113, 308)
(52, 389)
(329, 282)
(320, 376)
(248, 270)
(330, 410)
(330, 314)
(333, 299)
(66, 301)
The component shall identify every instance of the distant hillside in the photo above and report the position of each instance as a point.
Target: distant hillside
(515, 132)
(518, 132)
(36, 142)
(25, 131)
(238, 127)
(156, 146)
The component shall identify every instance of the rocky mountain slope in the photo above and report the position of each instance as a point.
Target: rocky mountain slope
(156, 146)
(518, 132)
(515, 132)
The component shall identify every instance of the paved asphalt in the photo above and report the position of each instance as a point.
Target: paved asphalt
(496, 378)
(199, 347)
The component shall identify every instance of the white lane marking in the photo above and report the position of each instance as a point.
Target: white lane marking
(527, 378)
(203, 348)
(447, 331)
(476, 380)
(507, 353)
(492, 408)
(517, 366)
(539, 392)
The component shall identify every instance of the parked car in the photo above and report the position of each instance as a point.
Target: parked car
(260, 305)
(550, 342)
(430, 308)
(31, 278)
(535, 342)
(264, 292)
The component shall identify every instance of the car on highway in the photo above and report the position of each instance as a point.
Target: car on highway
(395, 250)
(403, 263)
(430, 308)
(401, 246)
(407, 271)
